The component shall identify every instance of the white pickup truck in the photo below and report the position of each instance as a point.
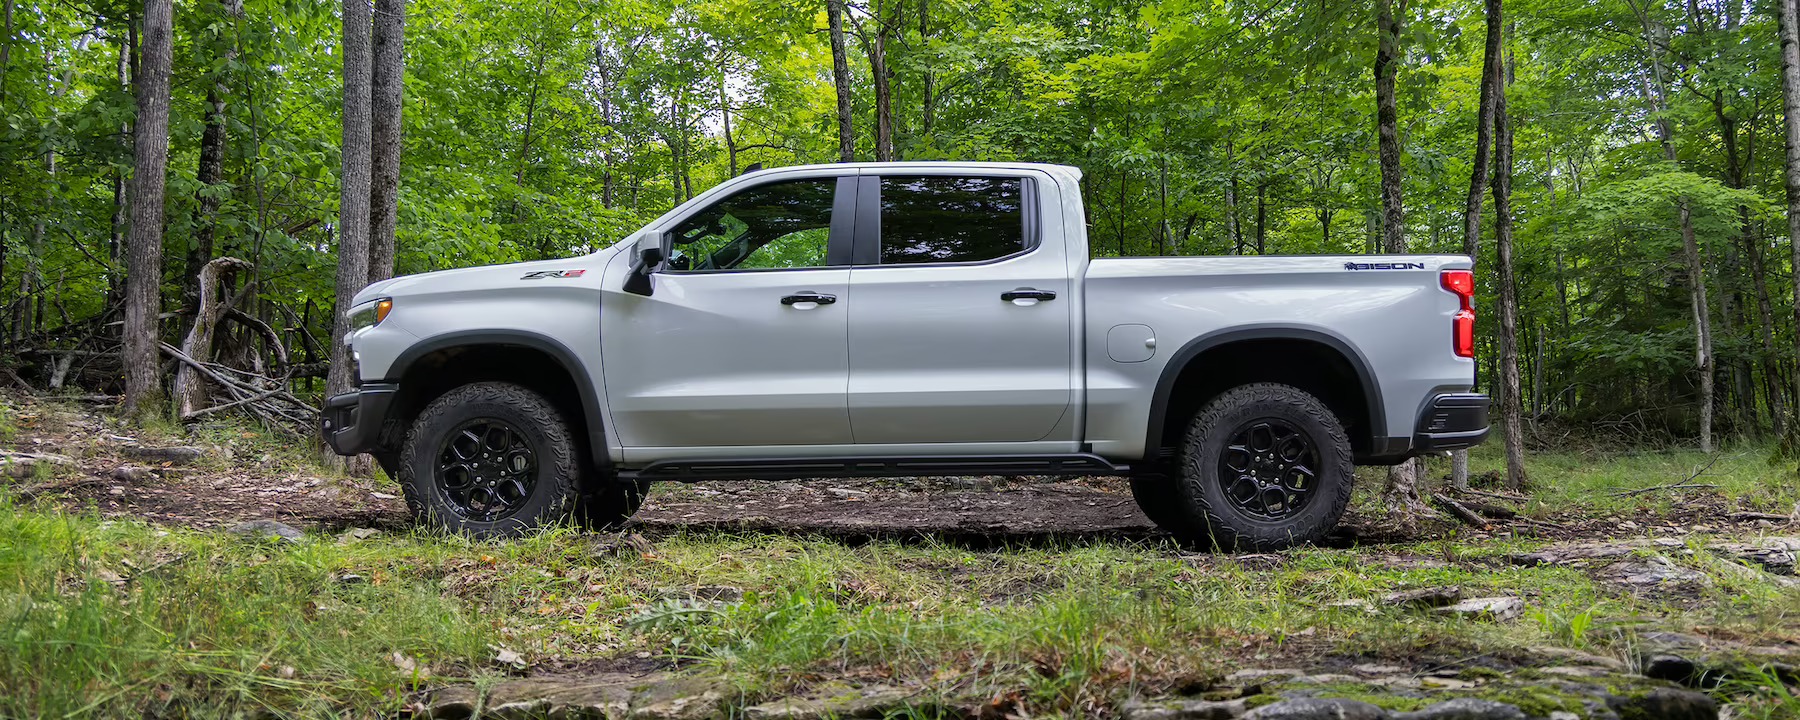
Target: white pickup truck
(907, 319)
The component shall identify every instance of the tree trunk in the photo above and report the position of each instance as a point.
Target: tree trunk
(725, 113)
(840, 78)
(121, 217)
(211, 172)
(1659, 104)
(1402, 492)
(1478, 180)
(1233, 234)
(1387, 125)
(1788, 14)
(190, 387)
(1512, 401)
(353, 190)
(143, 276)
(878, 69)
(928, 108)
(386, 96)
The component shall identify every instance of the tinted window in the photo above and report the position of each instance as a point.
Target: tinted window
(950, 219)
(780, 225)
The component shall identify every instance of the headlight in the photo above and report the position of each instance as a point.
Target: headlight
(370, 314)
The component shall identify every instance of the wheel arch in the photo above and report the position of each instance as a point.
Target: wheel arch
(1184, 384)
(534, 360)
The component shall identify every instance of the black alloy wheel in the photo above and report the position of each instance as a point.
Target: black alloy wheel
(486, 469)
(1269, 469)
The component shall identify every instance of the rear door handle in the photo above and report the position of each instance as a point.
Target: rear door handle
(1027, 294)
(808, 296)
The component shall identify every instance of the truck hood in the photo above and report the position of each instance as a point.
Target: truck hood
(481, 277)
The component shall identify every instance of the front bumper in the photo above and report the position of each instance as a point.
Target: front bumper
(1452, 421)
(351, 423)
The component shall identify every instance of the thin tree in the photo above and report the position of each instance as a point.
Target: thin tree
(878, 71)
(1478, 179)
(1511, 401)
(143, 276)
(386, 93)
(840, 78)
(1402, 491)
(353, 191)
(1787, 13)
(1696, 271)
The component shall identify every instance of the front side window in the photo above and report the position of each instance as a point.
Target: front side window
(946, 219)
(774, 226)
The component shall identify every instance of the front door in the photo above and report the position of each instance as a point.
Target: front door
(743, 339)
(960, 332)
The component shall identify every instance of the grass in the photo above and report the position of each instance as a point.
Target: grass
(124, 619)
(115, 618)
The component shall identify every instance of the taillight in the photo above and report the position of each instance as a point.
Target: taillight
(1462, 335)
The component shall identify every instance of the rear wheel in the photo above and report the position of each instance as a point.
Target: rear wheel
(489, 460)
(1263, 467)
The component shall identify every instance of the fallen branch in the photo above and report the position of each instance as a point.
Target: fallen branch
(1654, 488)
(1459, 511)
(32, 492)
(1760, 516)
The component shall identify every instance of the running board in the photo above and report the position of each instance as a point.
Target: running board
(826, 467)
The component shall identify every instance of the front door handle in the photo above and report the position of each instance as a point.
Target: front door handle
(1027, 294)
(808, 296)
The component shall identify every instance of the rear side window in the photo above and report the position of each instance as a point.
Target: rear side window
(947, 219)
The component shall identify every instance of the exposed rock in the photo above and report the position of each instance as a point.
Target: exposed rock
(1572, 552)
(1656, 571)
(1488, 608)
(1318, 709)
(1577, 672)
(1577, 657)
(178, 454)
(25, 464)
(1673, 668)
(1325, 679)
(1465, 709)
(680, 699)
(1774, 554)
(350, 579)
(1262, 675)
(1665, 640)
(262, 529)
(1185, 710)
(1424, 598)
(1373, 670)
(357, 533)
(1362, 605)
(132, 473)
(1665, 704)
(835, 701)
(452, 703)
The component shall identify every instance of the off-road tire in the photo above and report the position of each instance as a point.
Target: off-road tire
(607, 502)
(558, 467)
(1158, 497)
(1208, 513)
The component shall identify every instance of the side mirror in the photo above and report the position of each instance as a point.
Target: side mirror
(638, 282)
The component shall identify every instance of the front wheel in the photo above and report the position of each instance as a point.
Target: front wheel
(1263, 467)
(490, 460)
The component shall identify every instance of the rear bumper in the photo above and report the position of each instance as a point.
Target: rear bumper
(351, 423)
(1452, 421)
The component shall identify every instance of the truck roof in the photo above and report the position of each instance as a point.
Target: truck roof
(1052, 168)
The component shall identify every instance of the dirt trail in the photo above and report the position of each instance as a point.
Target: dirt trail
(113, 471)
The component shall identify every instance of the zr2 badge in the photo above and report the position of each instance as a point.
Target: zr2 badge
(542, 274)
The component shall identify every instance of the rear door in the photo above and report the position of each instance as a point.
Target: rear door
(960, 329)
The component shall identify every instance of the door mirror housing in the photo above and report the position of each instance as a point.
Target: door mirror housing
(649, 261)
